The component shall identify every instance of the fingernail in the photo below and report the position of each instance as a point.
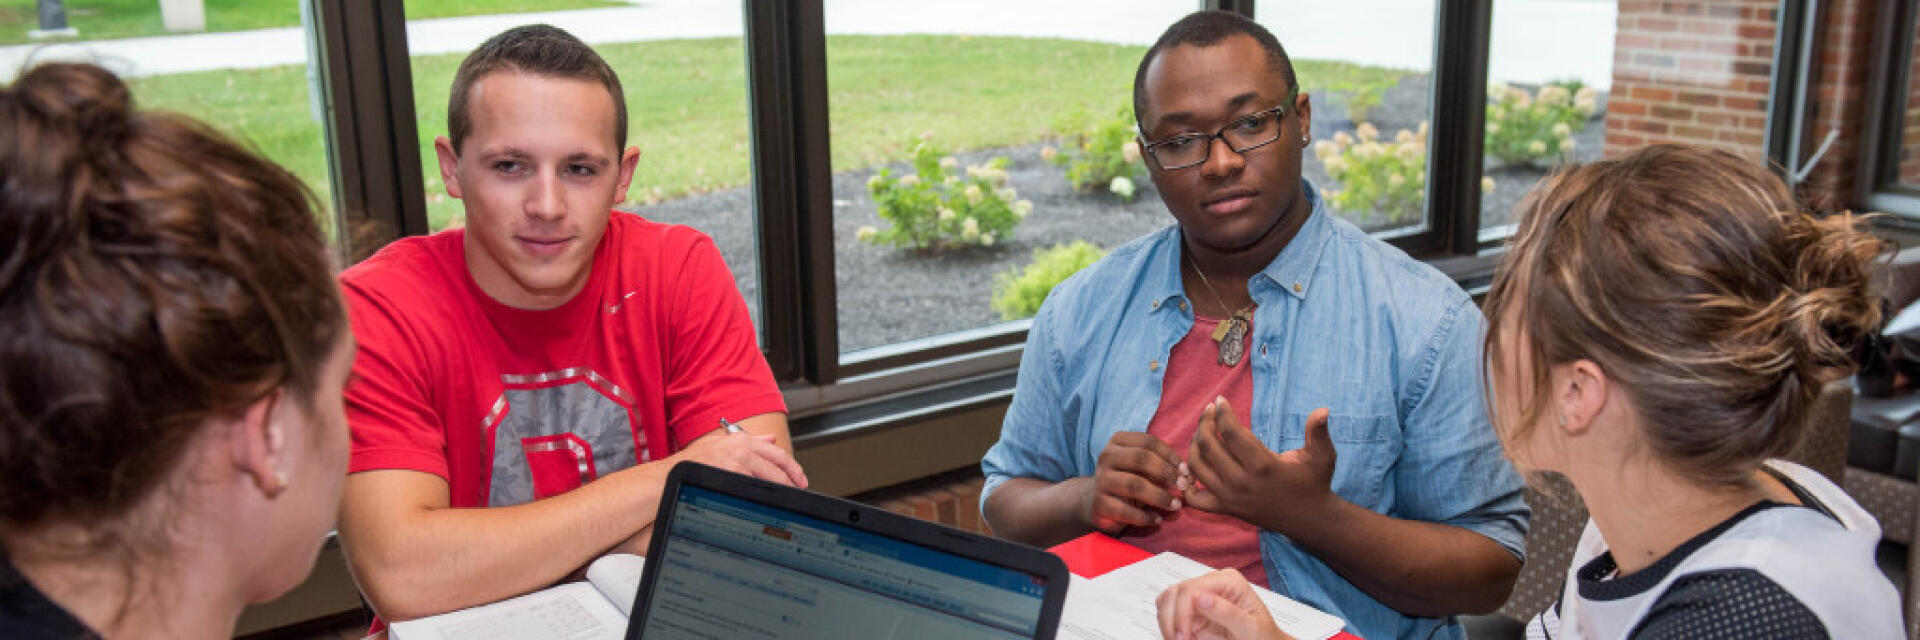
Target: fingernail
(1176, 504)
(1183, 469)
(1203, 601)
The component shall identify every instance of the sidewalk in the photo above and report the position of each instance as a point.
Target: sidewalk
(1533, 41)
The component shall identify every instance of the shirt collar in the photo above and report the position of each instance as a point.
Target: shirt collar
(1291, 271)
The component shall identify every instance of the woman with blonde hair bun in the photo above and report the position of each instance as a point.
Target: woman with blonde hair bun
(1658, 332)
(172, 352)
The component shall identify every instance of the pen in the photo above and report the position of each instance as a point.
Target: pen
(731, 427)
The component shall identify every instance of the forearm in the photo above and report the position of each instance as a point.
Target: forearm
(436, 560)
(1038, 512)
(1417, 568)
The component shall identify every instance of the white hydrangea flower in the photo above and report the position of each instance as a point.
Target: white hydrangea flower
(1336, 165)
(1322, 149)
(1366, 132)
(908, 181)
(1486, 184)
(1493, 127)
(1566, 144)
(873, 182)
(865, 233)
(1048, 153)
(1555, 95)
(1006, 195)
(950, 181)
(947, 215)
(1371, 150)
(1408, 153)
(949, 162)
(1403, 137)
(969, 229)
(1537, 147)
(1396, 181)
(973, 194)
(1121, 186)
(986, 239)
(1021, 208)
(1342, 140)
(1422, 131)
(1498, 90)
(1561, 130)
(1497, 113)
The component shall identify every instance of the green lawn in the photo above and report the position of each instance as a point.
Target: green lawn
(109, 19)
(687, 102)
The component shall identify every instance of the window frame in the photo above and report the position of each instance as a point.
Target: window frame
(1877, 185)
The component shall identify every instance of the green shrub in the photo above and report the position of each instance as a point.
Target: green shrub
(1018, 293)
(1383, 182)
(1100, 153)
(935, 209)
(1528, 128)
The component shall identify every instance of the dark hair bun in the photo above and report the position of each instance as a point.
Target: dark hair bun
(86, 97)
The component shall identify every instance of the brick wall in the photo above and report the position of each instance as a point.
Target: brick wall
(951, 498)
(1693, 71)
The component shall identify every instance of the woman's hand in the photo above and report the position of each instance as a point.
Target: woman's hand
(1217, 605)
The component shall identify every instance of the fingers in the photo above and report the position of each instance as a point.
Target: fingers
(769, 449)
(1112, 513)
(1237, 443)
(1223, 600)
(1142, 454)
(755, 455)
(1319, 443)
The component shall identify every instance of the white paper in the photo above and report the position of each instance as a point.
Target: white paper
(1121, 604)
(572, 611)
(617, 576)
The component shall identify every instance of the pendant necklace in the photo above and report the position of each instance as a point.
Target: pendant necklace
(1231, 332)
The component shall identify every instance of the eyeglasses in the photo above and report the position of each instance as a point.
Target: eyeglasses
(1246, 133)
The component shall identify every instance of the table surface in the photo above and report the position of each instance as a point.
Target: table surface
(1094, 554)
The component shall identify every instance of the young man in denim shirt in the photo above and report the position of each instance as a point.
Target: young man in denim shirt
(1262, 386)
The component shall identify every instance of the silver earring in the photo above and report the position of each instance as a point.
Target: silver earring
(1563, 419)
(1304, 138)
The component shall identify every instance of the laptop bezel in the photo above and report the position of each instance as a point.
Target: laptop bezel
(961, 543)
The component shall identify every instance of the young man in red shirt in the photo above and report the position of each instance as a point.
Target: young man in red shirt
(525, 383)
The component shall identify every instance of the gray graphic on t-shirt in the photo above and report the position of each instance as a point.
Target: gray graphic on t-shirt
(572, 421)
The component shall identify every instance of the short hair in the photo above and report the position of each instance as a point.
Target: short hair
(537, 49)
(1205, 29)
(1698, 283)
(153, 274)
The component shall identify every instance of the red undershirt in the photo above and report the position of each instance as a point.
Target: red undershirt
(1194, 378)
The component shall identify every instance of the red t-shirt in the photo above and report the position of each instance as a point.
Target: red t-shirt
(510, 405)
(1194, 378)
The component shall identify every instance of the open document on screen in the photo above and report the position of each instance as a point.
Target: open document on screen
(736, 569)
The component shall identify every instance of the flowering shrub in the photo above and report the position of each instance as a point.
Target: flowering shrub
(935, 209)
(1018, 293)
(1524, 128)
(1099, 153)
(1383, 182)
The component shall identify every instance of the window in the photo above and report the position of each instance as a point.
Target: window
(174, 62)
(1012, 123)
(1369, 67)
(1891, 180)
(1551, 66)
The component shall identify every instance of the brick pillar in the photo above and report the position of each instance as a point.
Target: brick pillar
(1692, 72)
(1910, 137)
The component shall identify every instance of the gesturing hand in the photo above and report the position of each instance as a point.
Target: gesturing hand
(754, 455)
(1240, 477)
(1135, 478)
(1217, 605)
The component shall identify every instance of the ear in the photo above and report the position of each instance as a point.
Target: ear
(258, 442)
(1581, 391)
(628, 162)
(449, 165)
(1303, 105)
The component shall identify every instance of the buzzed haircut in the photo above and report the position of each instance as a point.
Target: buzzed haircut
(1205, 29)
(538, 49)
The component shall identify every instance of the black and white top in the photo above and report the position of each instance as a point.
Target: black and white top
(1771, 571)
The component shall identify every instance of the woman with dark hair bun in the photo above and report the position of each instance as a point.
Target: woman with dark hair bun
(172, 352)
(1657, 333)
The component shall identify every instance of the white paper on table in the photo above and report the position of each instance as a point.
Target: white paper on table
(1121, 604)
(617, 576)
(572, 611)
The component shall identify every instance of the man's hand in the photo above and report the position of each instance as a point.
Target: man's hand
(1135, 478)
(1239, 476)
(1217, 605)
(760, 456)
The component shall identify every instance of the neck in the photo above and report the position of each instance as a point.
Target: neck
(133, 594)
(1229, 269)
(1645, 511)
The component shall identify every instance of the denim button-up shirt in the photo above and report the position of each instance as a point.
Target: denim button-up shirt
(1345, 321)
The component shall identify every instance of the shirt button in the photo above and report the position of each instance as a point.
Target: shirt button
(1183, 305)
(1296, 287)
(1156, 304)
(1153, 365)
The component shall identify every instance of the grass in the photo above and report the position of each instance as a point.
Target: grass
(111, 19)
(687, 102)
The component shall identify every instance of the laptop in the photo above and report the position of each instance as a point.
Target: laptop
(737, 557)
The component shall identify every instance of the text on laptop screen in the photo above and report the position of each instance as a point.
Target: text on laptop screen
(734, 568)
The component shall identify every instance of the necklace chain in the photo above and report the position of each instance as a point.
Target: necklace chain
(1209, 285)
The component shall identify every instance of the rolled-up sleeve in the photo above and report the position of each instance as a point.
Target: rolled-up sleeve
(1453, 469)
(1035, 441)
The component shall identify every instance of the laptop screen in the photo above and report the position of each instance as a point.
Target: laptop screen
(735, 568)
